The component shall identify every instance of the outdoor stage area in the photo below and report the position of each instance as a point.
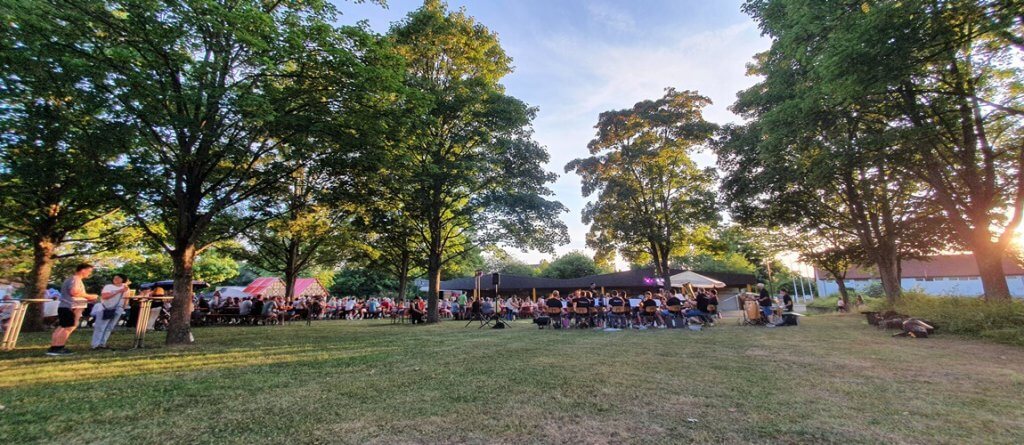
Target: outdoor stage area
(830, 380)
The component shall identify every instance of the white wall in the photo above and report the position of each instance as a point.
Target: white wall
(964, 287)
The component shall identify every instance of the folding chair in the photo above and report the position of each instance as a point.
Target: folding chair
(676, 318)
(555, 313)
(650, 315)
(582, 315)
(619, 317)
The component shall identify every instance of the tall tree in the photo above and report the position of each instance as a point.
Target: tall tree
(306, 232)
(574, 264)
(214, 90)
(498, 260)
(53, 146)
(650, 193)
(945, 76)
(393, 245)
(810, 160)
(473, 171)
(834, 252)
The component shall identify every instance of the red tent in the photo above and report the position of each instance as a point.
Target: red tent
(274, 287)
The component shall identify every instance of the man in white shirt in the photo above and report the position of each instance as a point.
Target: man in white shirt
(108, 310)
(245, 307)
(350, 305)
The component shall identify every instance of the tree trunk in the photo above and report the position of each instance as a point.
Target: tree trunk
(179, 329)
(435, 260)
(434, 276)
(403, 275)
(289, 283)
(38, 280)
(841, 283)
(888, 272)
(993, 278)
(290, 270)
(666, 275)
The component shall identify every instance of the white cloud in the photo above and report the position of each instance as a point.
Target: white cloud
(611, 16)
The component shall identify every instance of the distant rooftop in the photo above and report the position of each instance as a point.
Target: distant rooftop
(960, 265)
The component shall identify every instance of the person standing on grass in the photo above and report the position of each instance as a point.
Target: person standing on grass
(764, 299)
(73, 300)
(463, 301)
(108, 310)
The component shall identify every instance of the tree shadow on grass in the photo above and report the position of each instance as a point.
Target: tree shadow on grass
(41, 371)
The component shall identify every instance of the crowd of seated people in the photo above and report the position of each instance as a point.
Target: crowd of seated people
(582, 309)
(259, 309)
(589, 309)
(509, 308)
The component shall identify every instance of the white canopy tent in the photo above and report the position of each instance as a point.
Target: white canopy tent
(232, 292)
(695, 279)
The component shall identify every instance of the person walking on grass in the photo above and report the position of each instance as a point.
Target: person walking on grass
(108, 310)
(73, 300)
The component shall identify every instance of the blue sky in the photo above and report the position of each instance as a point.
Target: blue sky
(575, 59)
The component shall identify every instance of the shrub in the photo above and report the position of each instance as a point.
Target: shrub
(1002, 322)
(874, 289)
(829, 302)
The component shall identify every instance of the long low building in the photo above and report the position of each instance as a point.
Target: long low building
(938, 275)
(631, 281)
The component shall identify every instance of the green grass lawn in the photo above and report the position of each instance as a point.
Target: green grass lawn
(831, 380)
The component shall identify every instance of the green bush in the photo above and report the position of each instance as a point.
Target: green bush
(1002, 322)
(874, 289)
(829, 302)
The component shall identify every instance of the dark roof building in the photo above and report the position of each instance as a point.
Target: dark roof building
(639, 279)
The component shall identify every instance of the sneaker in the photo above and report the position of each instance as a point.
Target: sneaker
(59, 352)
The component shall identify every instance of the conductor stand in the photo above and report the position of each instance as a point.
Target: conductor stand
(494, 319)
(476, 315)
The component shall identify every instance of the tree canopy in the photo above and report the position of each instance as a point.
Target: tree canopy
(474, 173)
(651, 196)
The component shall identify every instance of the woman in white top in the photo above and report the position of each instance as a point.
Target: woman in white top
(108, 311)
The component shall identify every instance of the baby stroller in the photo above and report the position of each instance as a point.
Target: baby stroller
(162, 320)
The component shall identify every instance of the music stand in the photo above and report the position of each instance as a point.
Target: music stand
(475, 316)
(494, 319)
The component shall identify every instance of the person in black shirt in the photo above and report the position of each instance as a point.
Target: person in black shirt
(650, 306)
(788, 317)
(787, 301)
(619, 308)
(701, 310)
(600, 306)
(673, 309)
(554, 309)
(581, 305)
(764, 299)
(257, 309)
